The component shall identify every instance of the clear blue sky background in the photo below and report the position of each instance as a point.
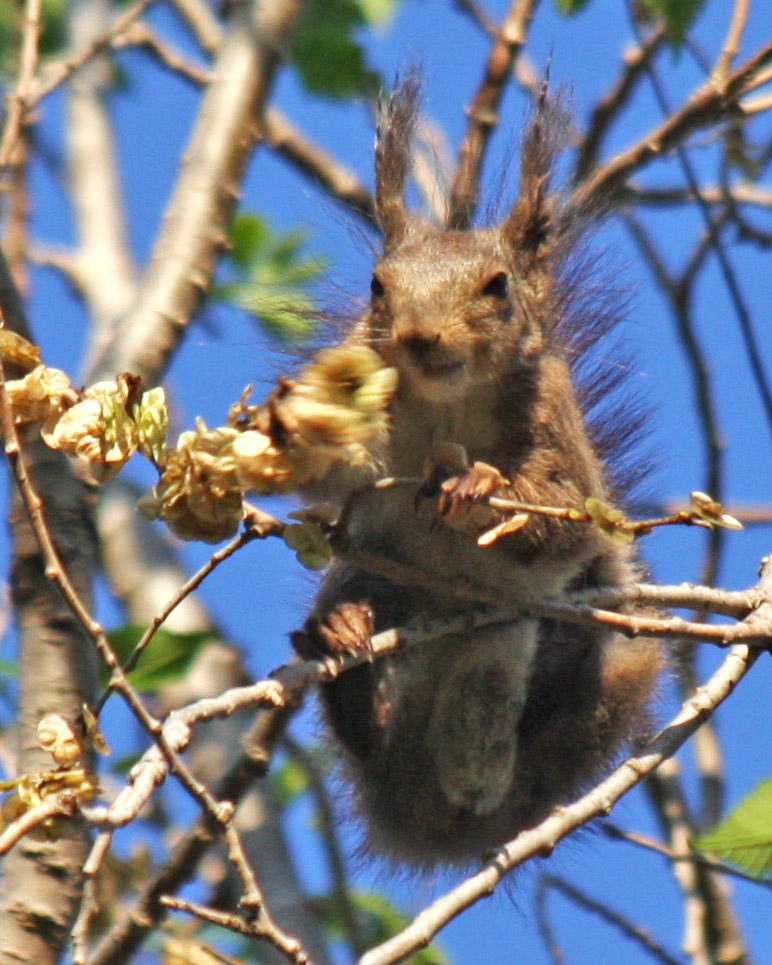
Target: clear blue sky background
(261, 595)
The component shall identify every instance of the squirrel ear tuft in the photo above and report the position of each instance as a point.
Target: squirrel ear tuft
(397, 116)
(534, 226)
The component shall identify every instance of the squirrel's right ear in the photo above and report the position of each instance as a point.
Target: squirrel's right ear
(534, 226)
(396, 120)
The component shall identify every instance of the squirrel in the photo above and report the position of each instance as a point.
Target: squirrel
(455, 746)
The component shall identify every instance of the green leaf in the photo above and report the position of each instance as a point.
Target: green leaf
(744, 837)
(166, 659)
(122, 765)
(569, 7)
(249, 236)
(377, 12)
(327, 58)
(679, 15)
(273, 278)
(289, 781)
(52, 35)
(380, 920)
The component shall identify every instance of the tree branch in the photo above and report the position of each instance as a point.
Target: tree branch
(194, 227)
(707, 105)
(41, 881)
(483, 112)
(543, 838)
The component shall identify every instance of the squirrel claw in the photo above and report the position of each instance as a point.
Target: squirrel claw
(345, 630)
(461, 495)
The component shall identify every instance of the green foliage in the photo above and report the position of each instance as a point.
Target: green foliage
(380, 920)
(289, 781)
(570, 7)
(327, 57)
(679, 15)
(166, 659)
(744, 838)
(52, 35)
(272, 277)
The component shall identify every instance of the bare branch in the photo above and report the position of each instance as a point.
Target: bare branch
(608, 107)
(711, 930)
(316, 164)
(740, 193)
(202, 22)
(651, 844)
(140, 35)
(713, 225)
(260, 525)
(57, 72)
(634, 933)
(264, 927)
(18, 101)
(194, 228)
(104, 269)
(705, 106)
(483, 112)
(731, 46)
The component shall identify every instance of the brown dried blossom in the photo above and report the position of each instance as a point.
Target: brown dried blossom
(62, 741)
(98, 428)
(199, 495)
(41, 395)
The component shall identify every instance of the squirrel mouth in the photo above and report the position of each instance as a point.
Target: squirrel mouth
(441, 370)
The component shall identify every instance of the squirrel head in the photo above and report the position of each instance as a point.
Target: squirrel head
(452, 309)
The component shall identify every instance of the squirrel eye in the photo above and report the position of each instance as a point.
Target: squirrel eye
(497, 285)
(376, 287)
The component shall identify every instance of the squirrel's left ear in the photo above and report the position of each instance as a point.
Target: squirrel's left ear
(534, 226)
(396, 121)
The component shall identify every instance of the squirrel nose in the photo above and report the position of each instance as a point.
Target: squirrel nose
(420, 345)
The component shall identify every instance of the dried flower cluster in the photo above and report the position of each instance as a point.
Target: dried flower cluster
(330, 414)
(64, 741)
(327, 416)
(103, 424)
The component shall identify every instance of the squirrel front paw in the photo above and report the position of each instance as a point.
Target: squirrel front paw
(463, 498)
(345, 630)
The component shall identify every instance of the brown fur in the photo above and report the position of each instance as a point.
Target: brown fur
(454, 747)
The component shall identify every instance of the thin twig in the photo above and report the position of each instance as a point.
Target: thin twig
(711, 930)
(202, 21)
(89, 905)
(740, 193)
(138, 34)
(18, 100)
(635, 933)
(483, 112)
(731, 45)
(705, 106)
(721, 86)
(263, 927)
(630, 625)
(258, 525)
(316, 164)
(58, 71)
(695, 857)
(341, 893)
(610, 104)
